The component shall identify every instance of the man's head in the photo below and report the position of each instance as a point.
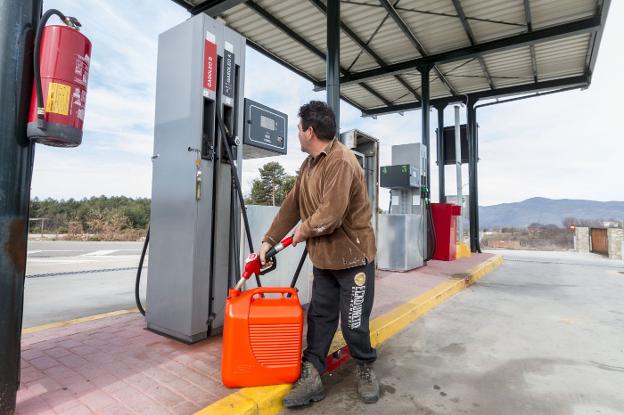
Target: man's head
(317, 126)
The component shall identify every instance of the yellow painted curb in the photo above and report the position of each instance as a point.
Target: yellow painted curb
(78, 320)
(267, 400)
(462, 250)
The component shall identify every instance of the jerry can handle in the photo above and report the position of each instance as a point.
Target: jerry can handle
(276, 290)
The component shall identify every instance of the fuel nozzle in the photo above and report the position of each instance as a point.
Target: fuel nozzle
(253, 266)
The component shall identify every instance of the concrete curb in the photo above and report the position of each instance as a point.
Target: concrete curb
(267, 400)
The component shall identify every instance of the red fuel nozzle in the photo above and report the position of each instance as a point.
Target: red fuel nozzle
(253, 265)
(277, 248)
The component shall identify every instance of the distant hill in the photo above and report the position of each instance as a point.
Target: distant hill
(547, 211)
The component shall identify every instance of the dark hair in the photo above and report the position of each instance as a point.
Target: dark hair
(320, 117)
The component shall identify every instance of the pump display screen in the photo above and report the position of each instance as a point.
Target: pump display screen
(265, 131)
(268, 123)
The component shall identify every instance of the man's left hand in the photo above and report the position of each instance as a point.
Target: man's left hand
(297, 237)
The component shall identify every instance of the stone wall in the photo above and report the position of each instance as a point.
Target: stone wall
(615, 242)
(581, 239)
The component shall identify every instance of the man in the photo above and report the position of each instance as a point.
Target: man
(331, 201)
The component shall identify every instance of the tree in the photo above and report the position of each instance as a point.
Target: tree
(272, 186)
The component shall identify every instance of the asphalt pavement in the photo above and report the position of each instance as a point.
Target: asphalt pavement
(543, 334)
(72, 279)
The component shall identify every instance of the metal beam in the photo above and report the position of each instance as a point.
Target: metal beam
(184, 4)
(464, 21)
(523, 97)
(376, 94)
(579, 81)
(424, 82)
(529, 23)
(297, 37)
(523, 39)
(582, 80)
(415, 42)
(355, 38)
(432, 13)
(20, 19)
(332, 64)
(214, 8)
(602, 12)
(296, 70)
(284, 28)
(473, 159)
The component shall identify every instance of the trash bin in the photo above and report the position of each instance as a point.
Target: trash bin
(445, 227)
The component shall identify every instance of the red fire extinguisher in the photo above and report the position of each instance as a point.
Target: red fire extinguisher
(61, 65)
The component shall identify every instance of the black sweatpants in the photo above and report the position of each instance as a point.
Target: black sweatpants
(347, 293)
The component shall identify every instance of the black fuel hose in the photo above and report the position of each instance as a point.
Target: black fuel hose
(431, 235)
(239, 190)
(299, 266)
(137, 281)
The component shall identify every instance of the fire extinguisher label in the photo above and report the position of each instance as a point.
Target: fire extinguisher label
(58, 98)
(210, 64)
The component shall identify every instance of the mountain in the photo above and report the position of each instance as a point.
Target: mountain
(547, 211)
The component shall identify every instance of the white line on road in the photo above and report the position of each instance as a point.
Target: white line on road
(60, 261)
(103, 252)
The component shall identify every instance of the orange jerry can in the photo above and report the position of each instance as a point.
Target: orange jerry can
(262, 337)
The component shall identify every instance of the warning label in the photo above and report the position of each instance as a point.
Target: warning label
(58, 98)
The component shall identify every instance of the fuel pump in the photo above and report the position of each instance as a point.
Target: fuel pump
(404, 241)
(61, 64)
(366, 150)
(197, 201)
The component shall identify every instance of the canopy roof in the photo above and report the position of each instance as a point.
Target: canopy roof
(481, 48)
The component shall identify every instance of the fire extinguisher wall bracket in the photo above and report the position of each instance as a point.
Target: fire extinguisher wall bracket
(61, 62)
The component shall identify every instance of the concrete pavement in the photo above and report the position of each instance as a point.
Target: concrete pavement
(544, 334)
(111, 364)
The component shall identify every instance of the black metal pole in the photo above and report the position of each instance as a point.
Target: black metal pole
(473, 158)
(475, 134)
(440, 151)
(424, 97)
(333, 59)
(18, 20)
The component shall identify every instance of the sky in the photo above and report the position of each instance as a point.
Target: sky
(561, 146)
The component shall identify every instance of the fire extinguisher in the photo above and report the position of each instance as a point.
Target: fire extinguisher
(61, 65)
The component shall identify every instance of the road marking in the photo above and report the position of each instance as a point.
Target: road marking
(34, 252)
(60, 261)
(103, 252)
(78, 320)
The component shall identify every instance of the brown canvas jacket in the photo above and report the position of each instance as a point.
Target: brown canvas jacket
(331, 200)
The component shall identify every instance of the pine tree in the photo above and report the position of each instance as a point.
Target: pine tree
(272, 186)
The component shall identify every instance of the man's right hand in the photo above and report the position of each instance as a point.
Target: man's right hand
(263, 251)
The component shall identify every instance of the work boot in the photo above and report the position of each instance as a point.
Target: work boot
(308, 388)
(367, 384)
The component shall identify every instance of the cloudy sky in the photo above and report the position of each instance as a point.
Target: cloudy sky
(568, 145)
